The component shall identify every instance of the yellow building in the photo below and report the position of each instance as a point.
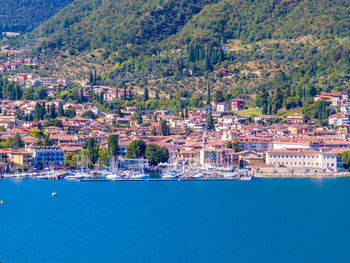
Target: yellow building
(19, 158)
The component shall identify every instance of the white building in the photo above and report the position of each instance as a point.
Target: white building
(339, 119)
(222, 106)
(302, 158)
(257, 144)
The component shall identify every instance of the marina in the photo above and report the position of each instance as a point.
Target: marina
(85, 175)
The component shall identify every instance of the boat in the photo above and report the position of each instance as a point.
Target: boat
(139, 176)
(43, 176)
(229, 175)
(169, 175)
(78, 176)
(112, 176)
(196, 176)
(245, 178)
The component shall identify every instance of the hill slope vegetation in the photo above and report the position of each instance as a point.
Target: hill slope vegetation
(24, 15)
(302, 46)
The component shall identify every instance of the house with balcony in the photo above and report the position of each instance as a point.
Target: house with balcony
(46, 156)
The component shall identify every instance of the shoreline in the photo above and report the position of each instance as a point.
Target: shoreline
(302, 176)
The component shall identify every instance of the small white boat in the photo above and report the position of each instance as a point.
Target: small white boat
(139, 176)
(196, 176)
(169, 176)
(77, 176)
(229, 175)
(114, 176)
(245, 178)
(43, 176)
(54, 194)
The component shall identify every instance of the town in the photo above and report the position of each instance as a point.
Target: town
(42, 130)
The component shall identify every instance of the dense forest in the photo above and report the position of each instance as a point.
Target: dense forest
(24, 15)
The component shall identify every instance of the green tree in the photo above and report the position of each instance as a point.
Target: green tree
(186, 113)
(163, 128)
(92, 147)
(154, 131)
(234, 145)
(156, 154)
(208, 96)
(8, 143)
(60, 112)
(53, 111)
(136, 149)
(210, 121)
(219, 96)
(139, 117)
(70, 159)
(345, 157)
(40, 93)
(90, 115)
(39, 112)
(70, 113)
(145, 94)
(113, 146)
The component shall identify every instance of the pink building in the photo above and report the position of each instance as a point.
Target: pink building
(237, 104)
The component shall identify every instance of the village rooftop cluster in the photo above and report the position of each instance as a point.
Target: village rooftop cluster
(210, 136)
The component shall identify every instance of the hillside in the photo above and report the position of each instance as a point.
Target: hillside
(174, 45)
(112, 24)
(24, 15)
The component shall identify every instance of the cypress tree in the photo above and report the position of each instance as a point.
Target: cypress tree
(43, 111)
(139, 118)
(161, 131)
(113, 147)
(60, 112)
(91, 78)
(145, 94)
(210, 121)
(125, 93)
(81, 99)
(53, 111)
(208, 96)
(37, 112)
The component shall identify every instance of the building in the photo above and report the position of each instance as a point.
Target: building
(302, 159)
(296, 119)
(222, 106)
(20, 158)
(345, 108)
(46, 156)
(335, 98)
(248, 158)
(256, 144)
(237, 104)
(339, 119)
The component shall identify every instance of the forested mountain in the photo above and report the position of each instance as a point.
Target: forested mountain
(24, 15)
(301, 46)
(112, 24)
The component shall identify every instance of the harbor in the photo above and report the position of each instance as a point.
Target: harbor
(127, 175)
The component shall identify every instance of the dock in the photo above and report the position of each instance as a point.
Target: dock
(155, 180)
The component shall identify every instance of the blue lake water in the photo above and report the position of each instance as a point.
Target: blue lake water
(264, 220)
